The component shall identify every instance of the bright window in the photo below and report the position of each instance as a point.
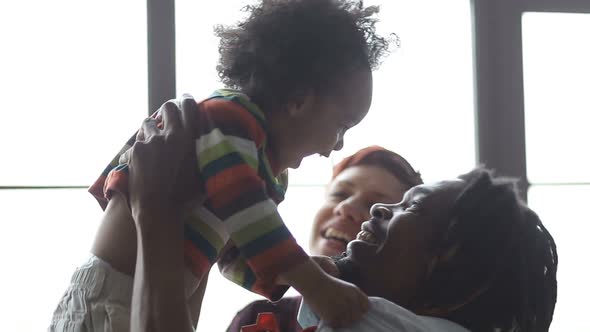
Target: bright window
(556, 82)
(73, 83)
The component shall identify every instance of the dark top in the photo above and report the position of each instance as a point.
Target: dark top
(285, 311)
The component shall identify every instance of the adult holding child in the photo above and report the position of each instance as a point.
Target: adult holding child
(300, 76)
(369, 176)
(460, 255)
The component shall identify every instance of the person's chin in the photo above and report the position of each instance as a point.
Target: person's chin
(348, 270)
(357, 250)
(331, 247)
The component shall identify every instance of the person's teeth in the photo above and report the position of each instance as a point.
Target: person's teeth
(336, 234)
(367, 237)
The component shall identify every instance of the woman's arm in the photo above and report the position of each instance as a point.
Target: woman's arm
(159, 302)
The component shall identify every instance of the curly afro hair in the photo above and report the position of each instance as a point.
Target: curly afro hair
(286, 49)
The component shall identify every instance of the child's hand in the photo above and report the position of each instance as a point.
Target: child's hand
(337, 302)
(327, 264)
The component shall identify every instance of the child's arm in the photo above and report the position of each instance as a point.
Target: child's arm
(239, 189)
(336, 302)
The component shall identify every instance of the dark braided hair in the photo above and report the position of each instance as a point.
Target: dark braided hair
(495, 263)
(288, 48)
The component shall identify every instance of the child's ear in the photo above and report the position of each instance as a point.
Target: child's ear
(301, 104)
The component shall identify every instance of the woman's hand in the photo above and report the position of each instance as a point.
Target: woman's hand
(158, 163)
(159, 160)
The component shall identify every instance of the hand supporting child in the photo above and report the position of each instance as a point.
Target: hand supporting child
(156, 162)
(335, 301)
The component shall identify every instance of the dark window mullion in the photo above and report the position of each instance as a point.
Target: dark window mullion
(40, 187)
(499, 92)
(161, 36)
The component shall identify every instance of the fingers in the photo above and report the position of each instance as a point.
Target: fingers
(139, 137)
(171, 116)
(148, 129)
(188, 113)
(327, 264)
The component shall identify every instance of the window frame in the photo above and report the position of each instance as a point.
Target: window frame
(499, 88)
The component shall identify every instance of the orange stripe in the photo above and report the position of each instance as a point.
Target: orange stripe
(195, 260)
(230, 194)
(278, 259)
(116, 181)
(229, 177)
(225, 111)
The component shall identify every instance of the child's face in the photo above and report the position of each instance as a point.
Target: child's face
(318, 125)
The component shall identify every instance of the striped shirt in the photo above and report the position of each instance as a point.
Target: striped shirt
(241, 194)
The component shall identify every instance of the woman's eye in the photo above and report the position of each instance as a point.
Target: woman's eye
(339, 195)
(413, 206)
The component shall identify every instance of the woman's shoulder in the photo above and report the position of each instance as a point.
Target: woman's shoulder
(384, 315)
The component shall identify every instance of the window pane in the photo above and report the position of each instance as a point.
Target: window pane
(73, 87)
(46, 234)
(423, 93)
(563, 210)
(556, 83)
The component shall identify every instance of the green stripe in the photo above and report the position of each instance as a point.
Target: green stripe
(257, 229)
(199, 226)
(221, 149)
(237, 272)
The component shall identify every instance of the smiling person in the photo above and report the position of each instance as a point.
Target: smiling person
(369, 176)
(454, 256)
(458, 255)
(297, 76)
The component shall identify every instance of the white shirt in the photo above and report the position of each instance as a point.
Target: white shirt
(384, 316)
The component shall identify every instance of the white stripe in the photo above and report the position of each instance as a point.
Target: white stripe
(244, 146)
(206, 141)
(204, 215)
(215, 137)
(250, 215)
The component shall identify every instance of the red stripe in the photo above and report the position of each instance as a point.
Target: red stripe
(97, 191)
(226, 186)
(195, 260)
(277, 259)
(116, 181)
(227, 113)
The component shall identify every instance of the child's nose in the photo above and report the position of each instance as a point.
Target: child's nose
(339, 144)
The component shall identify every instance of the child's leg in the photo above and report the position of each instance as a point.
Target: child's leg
(98, 299)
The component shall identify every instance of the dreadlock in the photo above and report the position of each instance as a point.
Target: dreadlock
(495, 263)
(286, 48)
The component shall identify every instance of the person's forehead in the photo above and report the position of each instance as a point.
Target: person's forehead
(370, 178)
(437, 188)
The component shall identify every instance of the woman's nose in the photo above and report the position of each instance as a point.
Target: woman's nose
(381, 211)
(352, 211)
